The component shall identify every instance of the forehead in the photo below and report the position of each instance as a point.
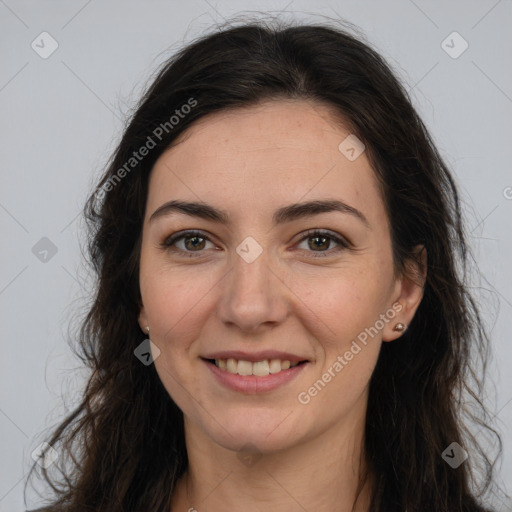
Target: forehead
(257, 157)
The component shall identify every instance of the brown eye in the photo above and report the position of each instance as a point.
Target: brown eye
(193, 242)
(320, 242)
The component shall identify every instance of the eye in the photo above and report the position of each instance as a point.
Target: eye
(321, 242)
(194, 242)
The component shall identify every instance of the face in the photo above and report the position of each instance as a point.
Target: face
(255, 280)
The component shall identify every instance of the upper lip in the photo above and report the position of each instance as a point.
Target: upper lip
(255, 356)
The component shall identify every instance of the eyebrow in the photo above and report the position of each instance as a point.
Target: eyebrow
(282, 215)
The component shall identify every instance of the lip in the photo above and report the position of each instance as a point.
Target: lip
(252, 384)
(255, 356)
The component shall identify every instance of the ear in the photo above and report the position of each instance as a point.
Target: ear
(142, 318)
(409, 293)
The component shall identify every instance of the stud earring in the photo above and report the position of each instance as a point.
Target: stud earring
(399, 327)
(147, 328)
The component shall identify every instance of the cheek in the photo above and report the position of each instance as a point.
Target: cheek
(173, 298)
(346, 311)
(175, 302)
(346, 302)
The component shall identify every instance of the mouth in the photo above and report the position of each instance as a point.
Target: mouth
(261, 368)
(254, 372)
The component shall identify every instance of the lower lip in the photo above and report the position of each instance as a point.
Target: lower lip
(252, 384)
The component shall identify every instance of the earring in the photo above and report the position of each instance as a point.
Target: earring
(399, 327)
(147, 328)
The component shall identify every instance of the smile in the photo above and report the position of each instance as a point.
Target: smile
(258, 368)
(254, 377)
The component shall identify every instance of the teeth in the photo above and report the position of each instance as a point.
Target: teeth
(275, 366)
(258, 368)
(244, 368)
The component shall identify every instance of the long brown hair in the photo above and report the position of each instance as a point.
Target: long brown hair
(122, 448)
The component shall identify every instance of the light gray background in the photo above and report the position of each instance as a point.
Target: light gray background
(61, 117)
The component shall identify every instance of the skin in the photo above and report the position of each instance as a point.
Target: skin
(250, 162)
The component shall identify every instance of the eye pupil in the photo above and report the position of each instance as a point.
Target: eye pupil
(319, 246)
(194, 245)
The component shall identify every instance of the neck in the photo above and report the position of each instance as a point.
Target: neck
(310, 476)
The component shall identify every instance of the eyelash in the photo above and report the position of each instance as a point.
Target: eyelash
(343, 243)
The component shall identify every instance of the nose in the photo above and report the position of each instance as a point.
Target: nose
(253, 297)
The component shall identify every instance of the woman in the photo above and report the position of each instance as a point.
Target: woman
(278, 222)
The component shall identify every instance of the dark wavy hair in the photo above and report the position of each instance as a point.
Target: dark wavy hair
(122, 448)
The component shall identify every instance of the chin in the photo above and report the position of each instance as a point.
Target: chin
(266, 432)
(256, 442)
